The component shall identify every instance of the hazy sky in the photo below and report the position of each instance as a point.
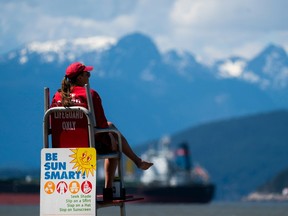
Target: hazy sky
(210, 29)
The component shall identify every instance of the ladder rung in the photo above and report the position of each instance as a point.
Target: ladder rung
(110, 155)
(103, 204)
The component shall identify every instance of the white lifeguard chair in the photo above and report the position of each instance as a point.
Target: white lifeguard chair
(68, 131)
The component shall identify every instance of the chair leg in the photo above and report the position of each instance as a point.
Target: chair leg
(122, 210)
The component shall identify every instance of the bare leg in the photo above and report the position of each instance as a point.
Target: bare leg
(144, 165)
(110, 169)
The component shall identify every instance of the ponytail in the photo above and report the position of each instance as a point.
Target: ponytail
(65, 92)
(66, 88)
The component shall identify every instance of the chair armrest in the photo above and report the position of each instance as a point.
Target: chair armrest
(109, 130)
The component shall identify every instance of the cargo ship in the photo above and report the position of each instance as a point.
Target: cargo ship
(173, 177)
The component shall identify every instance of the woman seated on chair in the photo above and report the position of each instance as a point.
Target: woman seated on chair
(72, 93)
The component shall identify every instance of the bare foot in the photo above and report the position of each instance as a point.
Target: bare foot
(144, 165)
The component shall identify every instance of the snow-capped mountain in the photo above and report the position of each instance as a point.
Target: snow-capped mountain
(270, 67)
(59, 50)
(268, 70)
(145, 92)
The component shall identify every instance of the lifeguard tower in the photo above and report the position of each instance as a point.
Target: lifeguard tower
(69, 162)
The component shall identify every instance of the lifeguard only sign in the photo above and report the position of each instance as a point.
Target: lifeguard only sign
(68, 181)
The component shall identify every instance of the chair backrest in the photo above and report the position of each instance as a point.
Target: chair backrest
(69, 128)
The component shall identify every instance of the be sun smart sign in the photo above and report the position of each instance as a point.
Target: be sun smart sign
(68, 181)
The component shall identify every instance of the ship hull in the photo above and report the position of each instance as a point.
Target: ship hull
(10, 186)
(196, 193)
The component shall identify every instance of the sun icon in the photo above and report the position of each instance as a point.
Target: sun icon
(85, 160)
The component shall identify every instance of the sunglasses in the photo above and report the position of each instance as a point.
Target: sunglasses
(87, 73)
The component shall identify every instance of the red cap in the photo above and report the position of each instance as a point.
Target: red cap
(76, 68)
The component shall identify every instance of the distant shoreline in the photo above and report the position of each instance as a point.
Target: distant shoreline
(256, 196)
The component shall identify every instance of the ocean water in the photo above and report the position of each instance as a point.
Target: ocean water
(212, 209)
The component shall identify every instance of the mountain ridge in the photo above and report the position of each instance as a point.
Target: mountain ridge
(240, 153)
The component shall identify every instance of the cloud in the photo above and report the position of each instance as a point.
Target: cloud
(232, 69)
(208, 28)
(26, 21)
(230, 15)
(100, 10)
(227, 26)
